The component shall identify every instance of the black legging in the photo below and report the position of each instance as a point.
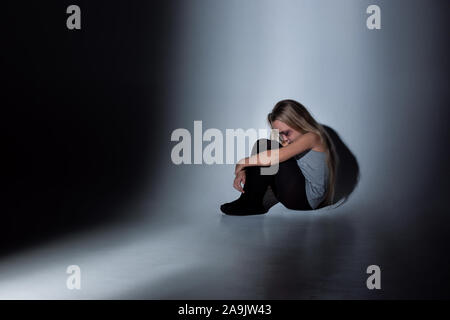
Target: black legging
(288, 184)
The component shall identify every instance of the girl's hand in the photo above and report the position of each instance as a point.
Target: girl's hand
(284, 143)
(240, 178)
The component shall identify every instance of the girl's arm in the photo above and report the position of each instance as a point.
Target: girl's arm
(269, 157)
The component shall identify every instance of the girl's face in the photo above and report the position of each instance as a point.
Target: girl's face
(287, 134)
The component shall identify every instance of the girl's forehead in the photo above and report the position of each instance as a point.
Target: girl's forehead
(280, 125)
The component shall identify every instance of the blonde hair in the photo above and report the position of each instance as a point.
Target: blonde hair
(295, 115)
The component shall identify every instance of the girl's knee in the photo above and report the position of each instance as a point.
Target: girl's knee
(264, 144)
(261, 145)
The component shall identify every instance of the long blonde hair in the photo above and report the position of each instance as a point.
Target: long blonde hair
(295, 115)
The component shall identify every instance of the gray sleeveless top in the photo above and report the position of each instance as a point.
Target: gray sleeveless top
(314, 167)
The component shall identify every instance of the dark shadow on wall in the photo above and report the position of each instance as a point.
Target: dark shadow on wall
(78, 110)
(348, 173)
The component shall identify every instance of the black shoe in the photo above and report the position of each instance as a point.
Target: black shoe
(241, 207)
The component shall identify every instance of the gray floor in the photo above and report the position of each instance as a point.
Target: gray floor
(189, 250)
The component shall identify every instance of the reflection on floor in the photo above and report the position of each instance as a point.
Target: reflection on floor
(207, 255)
